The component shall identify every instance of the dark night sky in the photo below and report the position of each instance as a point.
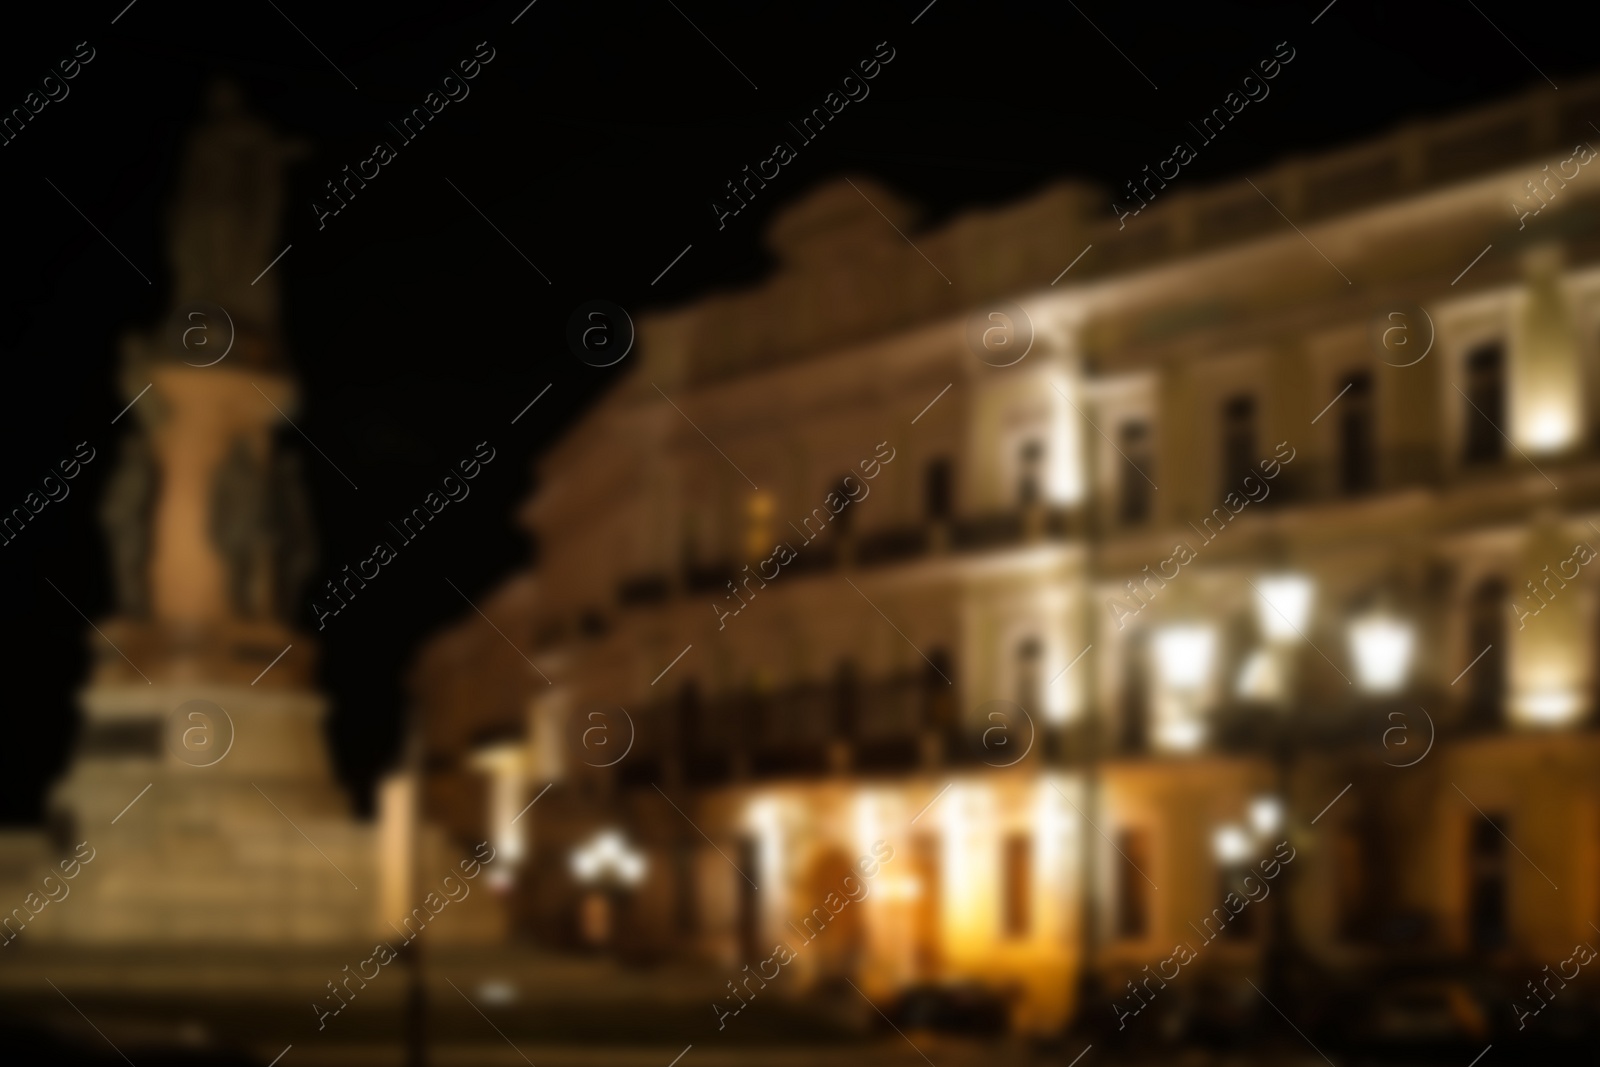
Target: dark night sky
(595, 140)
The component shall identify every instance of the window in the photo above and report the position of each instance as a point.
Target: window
(1486, 402)
(1016, 891)
(1238, 441)
(1358, 466)
(1030, 473)
(1486, 618)
(1132, 901)
(938, 495)
(1133, 500)
(1029, 666)
(1486, 884)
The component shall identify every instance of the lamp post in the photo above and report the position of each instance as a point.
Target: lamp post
(1283, 611)
(1233, 844)
(1088, 905)
(416, 1015)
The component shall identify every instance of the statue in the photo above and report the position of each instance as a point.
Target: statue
(226, 218)
(125, 515)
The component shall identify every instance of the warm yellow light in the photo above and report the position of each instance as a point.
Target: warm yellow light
(1546, 371)
(969, 877)
(1550, 429)
(1066, 480)
(907, 887)
(1551, 707)
(505, 766)
(758, 524)
(1182, 735)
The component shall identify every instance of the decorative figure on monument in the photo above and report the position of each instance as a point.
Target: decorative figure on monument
(125, 516)
(261, 525)
(241, 502)
(227, 214)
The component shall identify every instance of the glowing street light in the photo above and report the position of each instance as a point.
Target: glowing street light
(1266, 815)
(608, 856)
(1183, 653)
(1231, 844)
(1382, 645)
(1283, 605)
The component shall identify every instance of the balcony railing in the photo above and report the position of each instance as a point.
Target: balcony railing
(880, 547)
(890, 724)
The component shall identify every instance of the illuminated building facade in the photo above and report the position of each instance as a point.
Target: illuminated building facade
(1240, 532)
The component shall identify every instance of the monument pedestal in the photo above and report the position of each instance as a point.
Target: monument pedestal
(214, 817)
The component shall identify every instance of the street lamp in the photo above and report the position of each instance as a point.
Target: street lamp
(606, 866)
(1283, 609)
(1183, 658)
(1382, 645)
(1266, 815)
(1231, 844)
(608, 856)
(1183, 653)
(1283, 605)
